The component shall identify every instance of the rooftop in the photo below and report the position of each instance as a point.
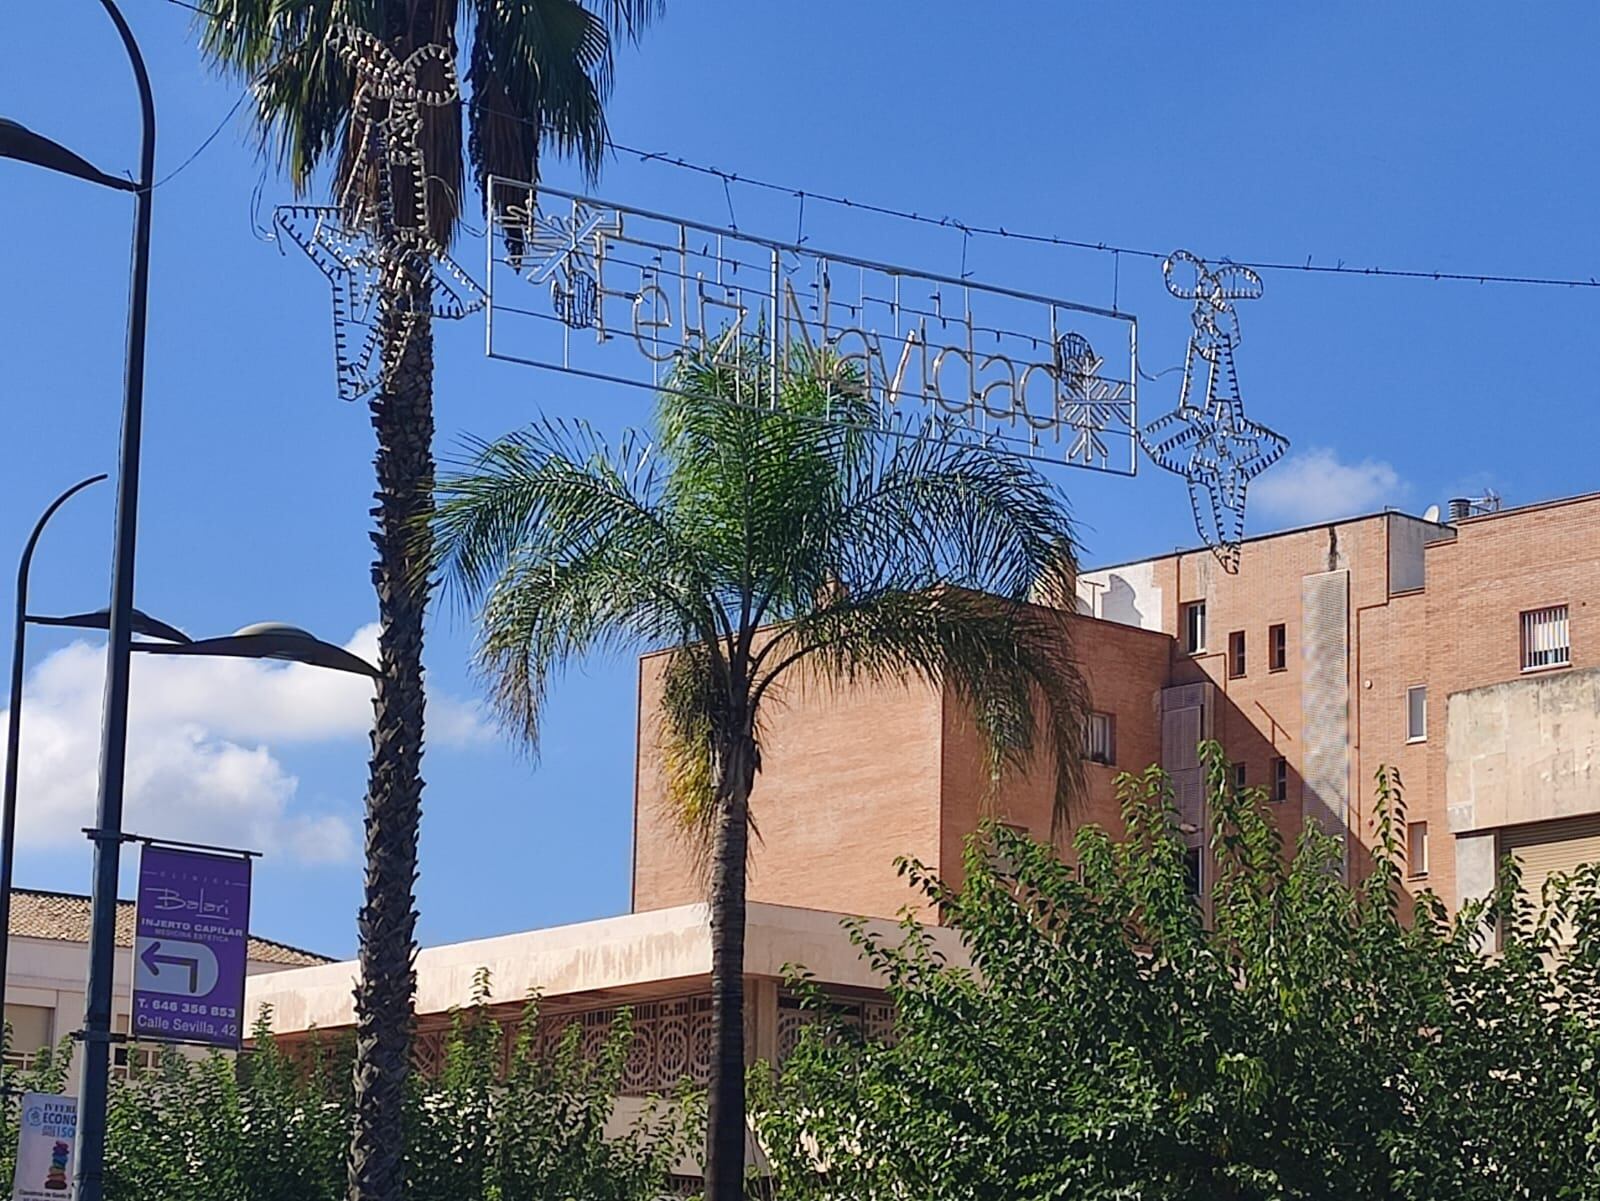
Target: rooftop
(64, 916)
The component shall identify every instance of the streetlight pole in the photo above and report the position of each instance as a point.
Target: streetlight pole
(8, 806)
(20, 143)
(107, 835)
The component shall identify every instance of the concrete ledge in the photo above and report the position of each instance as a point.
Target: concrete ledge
(626, 953)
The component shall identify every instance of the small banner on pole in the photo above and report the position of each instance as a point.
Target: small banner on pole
(191, 944)
(46, 1139)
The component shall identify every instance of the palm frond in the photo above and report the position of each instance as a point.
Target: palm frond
(539, 69)
(563, 544)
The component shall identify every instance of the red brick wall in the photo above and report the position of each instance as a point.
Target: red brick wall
(1125, 669)
(852, 779)
(849, 781)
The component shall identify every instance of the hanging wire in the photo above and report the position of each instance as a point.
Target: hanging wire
(999, 231)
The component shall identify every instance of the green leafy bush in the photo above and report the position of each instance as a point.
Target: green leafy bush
(268, 1127)
(1305, 1038)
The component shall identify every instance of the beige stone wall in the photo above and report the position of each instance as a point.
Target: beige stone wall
(1524, 751)
(1478, 586)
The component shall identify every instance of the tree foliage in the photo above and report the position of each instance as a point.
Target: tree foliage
(770, 537)
(270, 1127)
(1305, 1039)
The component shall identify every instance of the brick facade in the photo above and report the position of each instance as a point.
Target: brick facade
(853, 779)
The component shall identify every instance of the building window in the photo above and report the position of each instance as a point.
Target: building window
(1194, 627)
(1236, 654)
(1280, 779)
(1102, 738)
(1240, 777)
(1416, 849)
(1194, 862)
(30, 1034)
(1545, 638)
(1277, 647)
(1417, 713)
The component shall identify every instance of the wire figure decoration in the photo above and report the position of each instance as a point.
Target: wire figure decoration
(1208, 440)
(377, 246)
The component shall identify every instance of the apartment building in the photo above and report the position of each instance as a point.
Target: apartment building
(1463, 654)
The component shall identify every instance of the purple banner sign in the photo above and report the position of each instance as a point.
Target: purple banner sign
(191, 942)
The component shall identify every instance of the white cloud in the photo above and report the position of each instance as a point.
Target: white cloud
(1317, 486)
(200, 737)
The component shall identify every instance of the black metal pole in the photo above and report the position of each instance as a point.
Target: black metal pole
(8, 805)
(96, 1034)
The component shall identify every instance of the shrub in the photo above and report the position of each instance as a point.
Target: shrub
(1305, 1038)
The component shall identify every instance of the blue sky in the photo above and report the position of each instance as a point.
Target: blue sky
(1440, 136)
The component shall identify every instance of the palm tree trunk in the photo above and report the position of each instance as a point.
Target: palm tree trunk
(725, 1125)
(402, 415)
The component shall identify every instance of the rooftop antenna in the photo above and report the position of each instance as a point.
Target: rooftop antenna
(1431, 515)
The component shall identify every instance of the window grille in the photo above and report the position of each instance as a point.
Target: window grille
(1546, 641)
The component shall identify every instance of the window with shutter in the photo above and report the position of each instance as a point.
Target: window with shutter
(1236, 661)
(1549, 849)
(1277, 648)
(1102, 740)
(1546, 640)
(1416, 849)
(1194, 627)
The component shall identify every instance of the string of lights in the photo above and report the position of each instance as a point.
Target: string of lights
(971, 229)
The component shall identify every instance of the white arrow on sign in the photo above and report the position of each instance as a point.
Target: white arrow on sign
(179, 969)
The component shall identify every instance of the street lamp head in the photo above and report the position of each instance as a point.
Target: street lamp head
(23, 144)
(270, 640)
(100, 619)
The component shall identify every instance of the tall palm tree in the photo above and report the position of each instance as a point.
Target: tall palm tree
(762, 541)
(538, 73)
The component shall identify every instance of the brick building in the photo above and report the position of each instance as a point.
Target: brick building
(1463, 654)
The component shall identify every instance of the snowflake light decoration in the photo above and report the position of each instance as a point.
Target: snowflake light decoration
(1209, 441)
(1092, 405)
(567, 251)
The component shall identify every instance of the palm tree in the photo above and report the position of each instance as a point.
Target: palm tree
(538, 72)
(762, 541)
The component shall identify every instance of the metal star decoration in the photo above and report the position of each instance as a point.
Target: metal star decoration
(1210, 442)
(357, 266)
